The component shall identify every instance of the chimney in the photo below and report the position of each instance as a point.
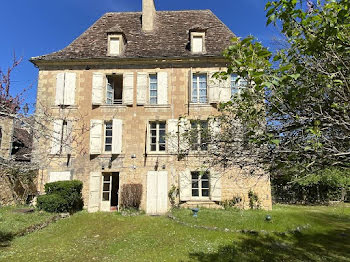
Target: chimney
(148, 15)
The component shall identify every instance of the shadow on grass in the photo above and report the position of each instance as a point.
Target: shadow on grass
(5, 239)
(304, 246)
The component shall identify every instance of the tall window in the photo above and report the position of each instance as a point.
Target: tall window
(199, 135)
(237, 86)
(153, 89)
(157, 136)
(108, 136)
(114, 90)
(199, 89)
(200, 184)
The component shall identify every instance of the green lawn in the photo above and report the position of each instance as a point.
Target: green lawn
(112, 237)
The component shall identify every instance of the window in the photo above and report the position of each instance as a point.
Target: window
(197, 42)
(199, 135)
(108, 136)
(237, 86)
(153, 89)
(106, 190)
(114, 45)
(157, 136)
(200, 184)
(199, 89)
(114, 90)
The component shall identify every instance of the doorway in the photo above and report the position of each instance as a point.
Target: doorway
(110, 191)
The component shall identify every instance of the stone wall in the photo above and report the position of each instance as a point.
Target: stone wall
(6, 125)
(135, 119)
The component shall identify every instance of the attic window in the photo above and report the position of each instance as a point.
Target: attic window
(198, 42)
(115, 44)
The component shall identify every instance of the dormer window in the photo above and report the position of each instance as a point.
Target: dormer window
(115, 44)
(198, 42)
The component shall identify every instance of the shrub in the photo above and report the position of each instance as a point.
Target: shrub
(62, 196)
(254, 202)
(131, 196)
(230, 203)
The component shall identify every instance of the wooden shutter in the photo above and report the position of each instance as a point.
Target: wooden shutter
(117, 136)
(215, 186)
(60, 176)
(96, 127)
(59, 89)
(128, 89)
(162, 192)
(94, 196)
(69, 88)
(225, 90)
(185, 185)
(97, 88)
(163, 88)
(152, 192)
(142, 87)
(56, 137)
(172, 137)
(214, 88)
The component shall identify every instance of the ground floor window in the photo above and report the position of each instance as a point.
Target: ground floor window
(200, 184)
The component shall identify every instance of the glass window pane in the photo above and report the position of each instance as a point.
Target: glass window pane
(108, 140)
(108, 148)
(106, 196)
(205, 184)
(161, 147)
(205, 176)
(161, 125)
(153, 140)
(195, 192)
(205, 192)
(153, 148)
(153, 125)
(195, 184)
(106, 187)
(108, 132)
(106, 178)
(195, 175)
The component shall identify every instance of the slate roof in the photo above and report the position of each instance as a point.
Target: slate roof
(170, 38)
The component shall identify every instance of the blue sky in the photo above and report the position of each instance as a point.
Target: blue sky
(37, 27)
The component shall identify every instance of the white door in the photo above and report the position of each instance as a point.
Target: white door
(157, 192)
(106, 192)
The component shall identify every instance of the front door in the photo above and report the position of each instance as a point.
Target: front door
(110, 190)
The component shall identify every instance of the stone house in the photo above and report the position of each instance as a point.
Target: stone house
(126, 81)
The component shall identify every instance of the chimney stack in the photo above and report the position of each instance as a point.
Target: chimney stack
(148, 15)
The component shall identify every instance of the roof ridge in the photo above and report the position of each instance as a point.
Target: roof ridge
(160, 11)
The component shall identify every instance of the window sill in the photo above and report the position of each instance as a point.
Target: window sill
(64, 107)
(158, 154)
(199, 105)
(107, 155)
(157, 106)
(112, 106)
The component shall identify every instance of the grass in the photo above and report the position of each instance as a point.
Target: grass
(12, 223)
(112, 237)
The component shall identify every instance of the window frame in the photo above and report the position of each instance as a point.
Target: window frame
(198, 88)
(197, 128)
(157, 137)
(150, 76)
(105, 137)
(237, 85)
(198, 35)
(121, 44)
(200, 187)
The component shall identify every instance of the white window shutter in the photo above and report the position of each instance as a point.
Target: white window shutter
(185, 185)
(225, 90)
(60, 176)
(117, 139)
(142, 87)
(68, 138)
(96, 127)
(59, 89)
(163, 88)
(172, 137)
(97, 88)
(56, 137)
(184, 128)
(94, 196)
(215, 186)
(214, 88)
(69, 88)
(128, 89)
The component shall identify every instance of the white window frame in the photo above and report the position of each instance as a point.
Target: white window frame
(196, 77)
(157, 144)
(121, 44)
(197, 35)
(200, 187)
(197, 124)
(149, 88)
(105, 137)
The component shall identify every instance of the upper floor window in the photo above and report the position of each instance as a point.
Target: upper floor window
(114, 90)
(237, 85)
(200, 184)
(153, 89)
(199, 135)
(157, 136)
(197, 42)
(199, 89)
(61, 137)
(115, 44)
(108, 136)
(65, 88)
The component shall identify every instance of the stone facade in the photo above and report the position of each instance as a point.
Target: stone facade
(6, 125)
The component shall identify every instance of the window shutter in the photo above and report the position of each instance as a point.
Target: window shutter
(128, 89)
(184, 127)
(68, 138)
(172, 138)
(94, 196)
(97, 88)
(114, 46)
(142, 87)
(197, 44)
(69, 88)
(60, 176)
(96, 137)
(117, 139)
(214, 88)
(185, 185)
(215, 186)
(190, 84)
(163, 88)
(56, 137)
(225, 90)
(59, 89)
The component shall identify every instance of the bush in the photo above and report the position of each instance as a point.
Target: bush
(131, 196)
(62, 196)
